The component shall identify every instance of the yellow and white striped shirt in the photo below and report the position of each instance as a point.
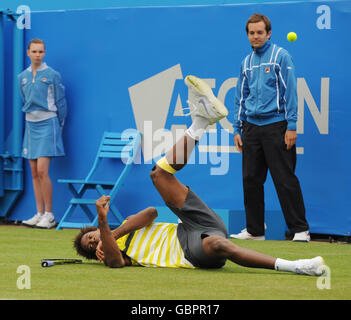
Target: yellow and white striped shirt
(156, 245)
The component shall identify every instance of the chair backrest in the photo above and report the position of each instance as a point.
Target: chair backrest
(122, 146)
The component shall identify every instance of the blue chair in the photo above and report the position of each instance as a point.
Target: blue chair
(113, 145)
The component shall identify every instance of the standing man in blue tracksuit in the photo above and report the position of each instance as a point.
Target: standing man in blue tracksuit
(265, 118)
(45, 111)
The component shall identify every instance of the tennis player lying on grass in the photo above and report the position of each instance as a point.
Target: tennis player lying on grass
(200, 240)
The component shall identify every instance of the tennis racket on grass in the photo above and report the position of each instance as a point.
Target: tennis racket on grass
(53, 262)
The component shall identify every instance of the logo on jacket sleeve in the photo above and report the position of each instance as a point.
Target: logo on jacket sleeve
(267, 70)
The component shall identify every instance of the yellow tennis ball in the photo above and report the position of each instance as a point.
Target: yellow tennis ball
(292, 36)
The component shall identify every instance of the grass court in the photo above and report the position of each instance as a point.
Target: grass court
(91, 280)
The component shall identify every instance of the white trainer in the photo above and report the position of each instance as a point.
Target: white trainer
(33, 221)
(205, 103)
(310, 267)
(244, 235)
(47, 221)
(302, 237)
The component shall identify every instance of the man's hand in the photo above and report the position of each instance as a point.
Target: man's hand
(99, 252)
(290, 138)
(102, 206)
(238, 143)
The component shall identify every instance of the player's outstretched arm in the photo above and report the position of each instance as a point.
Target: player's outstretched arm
(135, 222)
(113, 257)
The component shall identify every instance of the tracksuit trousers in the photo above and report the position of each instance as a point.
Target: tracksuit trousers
(264, 148)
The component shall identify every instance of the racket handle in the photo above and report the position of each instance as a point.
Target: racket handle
(47, 263)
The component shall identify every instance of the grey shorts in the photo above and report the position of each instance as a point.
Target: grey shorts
(198, 222)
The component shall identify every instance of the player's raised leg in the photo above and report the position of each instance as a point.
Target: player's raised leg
(207, 110)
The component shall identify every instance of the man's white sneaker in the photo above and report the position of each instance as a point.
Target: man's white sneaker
(244, 235)
(310, 267)
(33, 221)
(302, 236)
(47, 221)
(204, 101)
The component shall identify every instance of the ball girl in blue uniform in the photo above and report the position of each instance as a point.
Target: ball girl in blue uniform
(45, 112)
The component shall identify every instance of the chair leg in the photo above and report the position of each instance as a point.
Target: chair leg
(66, 215)
(116, 213)
(87, 211)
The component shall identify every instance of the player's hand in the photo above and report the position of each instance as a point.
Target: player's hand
(102, 206)
(238, 143)
(99, 252)
(290, 138)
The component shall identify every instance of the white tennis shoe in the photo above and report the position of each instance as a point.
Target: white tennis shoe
(33, 221)
(302, 237)
(203, 101)
(47, 221)
(244, 235)
(310, 267)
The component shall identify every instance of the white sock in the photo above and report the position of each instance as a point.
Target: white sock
(46, 212)
(285, 265)
(197, 128)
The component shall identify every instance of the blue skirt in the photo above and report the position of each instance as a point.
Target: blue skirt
(42, 139)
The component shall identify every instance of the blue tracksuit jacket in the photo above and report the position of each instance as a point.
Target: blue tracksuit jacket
(266, 88)
(44, 92)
